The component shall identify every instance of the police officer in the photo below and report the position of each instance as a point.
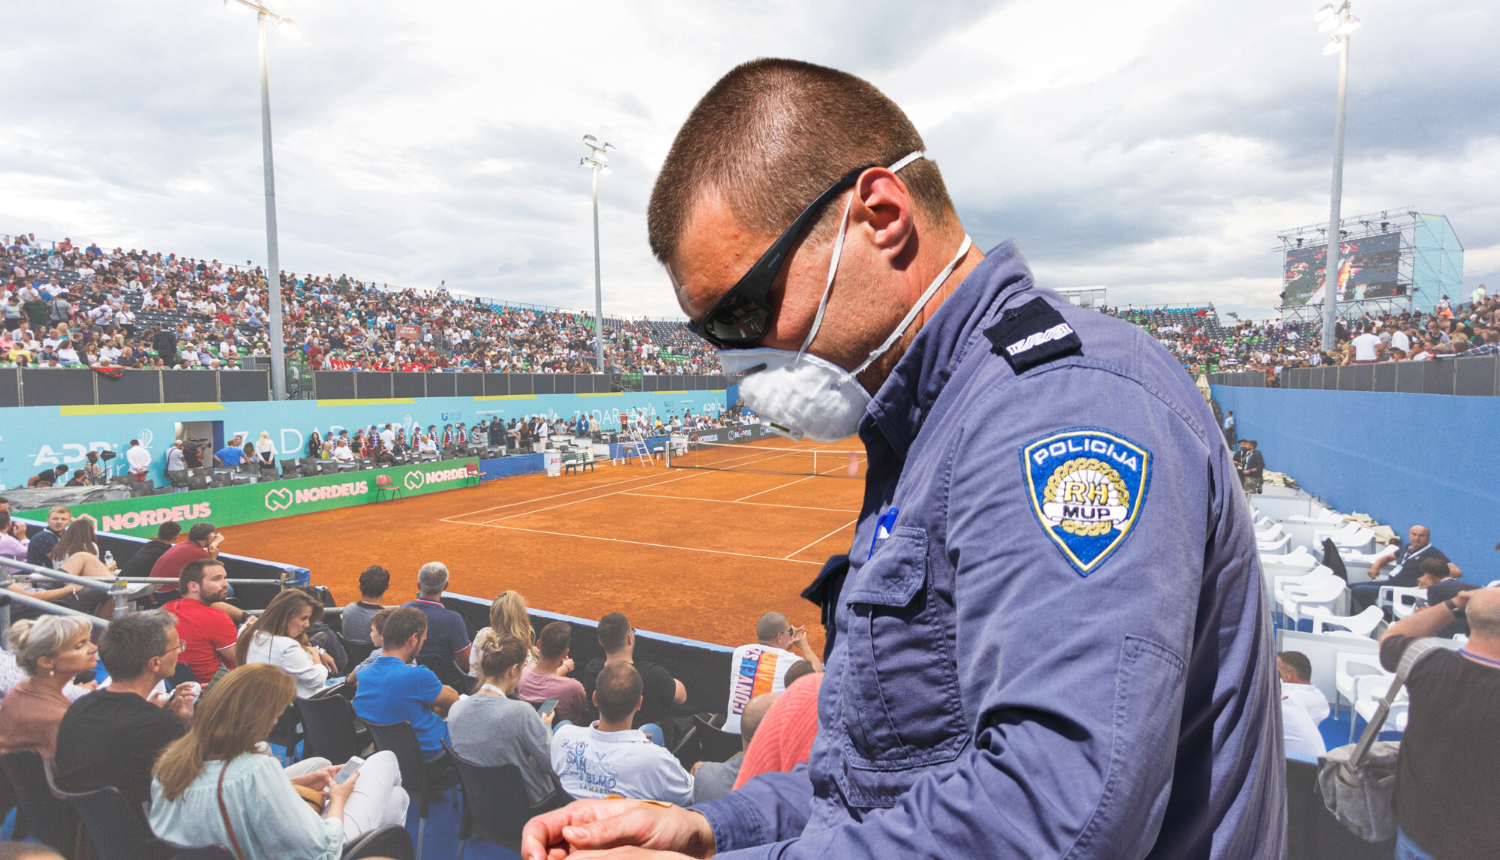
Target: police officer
(1052, 639)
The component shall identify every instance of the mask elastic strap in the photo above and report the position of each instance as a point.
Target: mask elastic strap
(916, 308)
(838, 248)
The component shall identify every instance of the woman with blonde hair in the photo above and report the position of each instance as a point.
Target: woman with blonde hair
(211, 786)
(50, 650)
(265, 449)
(507, 618)
(279, 637)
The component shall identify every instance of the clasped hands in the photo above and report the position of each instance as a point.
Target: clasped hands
(617, 829)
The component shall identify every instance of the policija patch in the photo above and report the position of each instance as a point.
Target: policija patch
(1086, 487)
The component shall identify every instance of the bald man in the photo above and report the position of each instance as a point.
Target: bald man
(1028, 460)
(1408, 561)
(1446, 788)
(712, 779)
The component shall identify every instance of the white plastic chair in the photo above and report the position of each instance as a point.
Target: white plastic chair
(1295, 562)
(1402, 601)
(1358, 626)
(1269, 533)
(1280, 585)
(1323, 597)
(1352, 536)
(1278, 547)
(1363, 560)
(1368, 691)
(1348, 667)
(1323, 516)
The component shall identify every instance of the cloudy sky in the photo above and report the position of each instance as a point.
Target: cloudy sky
(1155, 146)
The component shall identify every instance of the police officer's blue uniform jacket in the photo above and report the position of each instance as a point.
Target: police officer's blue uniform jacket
(1058, 645)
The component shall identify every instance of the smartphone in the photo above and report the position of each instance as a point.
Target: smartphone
(546, 707)
(348, 769)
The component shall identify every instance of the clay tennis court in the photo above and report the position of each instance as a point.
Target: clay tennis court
(691, 552)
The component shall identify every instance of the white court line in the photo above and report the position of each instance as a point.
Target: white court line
(777, 487)
(580, 501)
(644, 543)
(567, 493)
(737, 502)
(821, 539)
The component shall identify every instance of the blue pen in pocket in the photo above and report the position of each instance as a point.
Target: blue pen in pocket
(883, 528)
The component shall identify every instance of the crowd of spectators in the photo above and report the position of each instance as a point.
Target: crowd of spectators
(506, 696)
(1203, 344)
(72, 306)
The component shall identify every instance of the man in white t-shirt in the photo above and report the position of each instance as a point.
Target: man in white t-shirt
(387, 437)
(609, 757)
(1400, 341)
(1300, 735)
(1296, 685)
(139, 459)
(1366, 348)
(761, 668)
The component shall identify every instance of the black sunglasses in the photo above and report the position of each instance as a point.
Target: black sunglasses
(738, 320)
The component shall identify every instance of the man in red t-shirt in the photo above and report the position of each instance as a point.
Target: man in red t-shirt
(207, 634)
(202, 543)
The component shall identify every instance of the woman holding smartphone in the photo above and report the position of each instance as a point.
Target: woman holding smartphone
(279, 637)
(212, 786)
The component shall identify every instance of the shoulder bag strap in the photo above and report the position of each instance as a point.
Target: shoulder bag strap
(1415, 651)
(224, 812)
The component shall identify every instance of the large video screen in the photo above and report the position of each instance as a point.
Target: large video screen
(1367, 270)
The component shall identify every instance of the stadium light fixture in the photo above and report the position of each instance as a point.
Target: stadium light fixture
(598, 162)
(1342, 23)
(273, 250)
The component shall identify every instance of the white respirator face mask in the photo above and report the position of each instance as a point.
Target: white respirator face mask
(802, 394)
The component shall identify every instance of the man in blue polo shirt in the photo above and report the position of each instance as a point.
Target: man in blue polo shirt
(391, 690)
(448, 640)
(230, 455)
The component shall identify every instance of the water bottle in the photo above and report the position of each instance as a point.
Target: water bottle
(109, 559)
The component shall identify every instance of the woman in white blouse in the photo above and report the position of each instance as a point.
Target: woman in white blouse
(279, 637)
(212, 787)
(265, 449)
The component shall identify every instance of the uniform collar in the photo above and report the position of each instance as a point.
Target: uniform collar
(902, 403)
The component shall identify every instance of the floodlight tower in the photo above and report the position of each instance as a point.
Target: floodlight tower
(598, 161)
(1339, 22)
(273, 254)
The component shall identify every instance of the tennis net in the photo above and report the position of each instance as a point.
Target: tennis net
(833, 463)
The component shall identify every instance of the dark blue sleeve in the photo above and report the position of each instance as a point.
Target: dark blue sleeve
(770, 808)
(457, 634)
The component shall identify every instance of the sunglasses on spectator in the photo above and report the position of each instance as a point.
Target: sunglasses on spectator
(739, 319)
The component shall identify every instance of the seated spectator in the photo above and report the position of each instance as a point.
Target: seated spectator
(1419, 548)
(761, 668)
(211, 787)
(341, 450)
(145, 558)
(447, 641)
(713, 779)
(112, 736)
(322, 636)
(13, 540)
(1446, 790)
(548, 679)
(77, 553)
(1296, 684)
(374, 581)
(207, 632)
(786, 733)
(39, 552)
(660, 690)
(393, 691)
(1441, 584)
(377, 638)
(609, 757)
(202, 543)
(508, 618)
(1300, 735)
(491, 729)
(279, 637)
(51, 650)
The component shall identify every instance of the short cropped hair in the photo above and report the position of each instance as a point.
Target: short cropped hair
(374, 581)
(377, 621)
(618, 692)
(613, 628)
(132, 640)
(403, 624)
(1435, 567)
(168, 531)
(1298, 663)
(556, 638)
(201, 532)
(770, 625)
(771, 136)
(193, 571)
(432, 577)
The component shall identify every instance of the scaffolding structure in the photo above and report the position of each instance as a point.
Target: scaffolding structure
(1429, 262)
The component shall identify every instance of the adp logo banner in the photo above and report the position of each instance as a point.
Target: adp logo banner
(250, 503)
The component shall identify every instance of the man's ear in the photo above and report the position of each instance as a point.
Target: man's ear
(594, 699)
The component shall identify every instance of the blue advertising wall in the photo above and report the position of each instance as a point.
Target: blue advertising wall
(35, 437)
(1405, 459)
